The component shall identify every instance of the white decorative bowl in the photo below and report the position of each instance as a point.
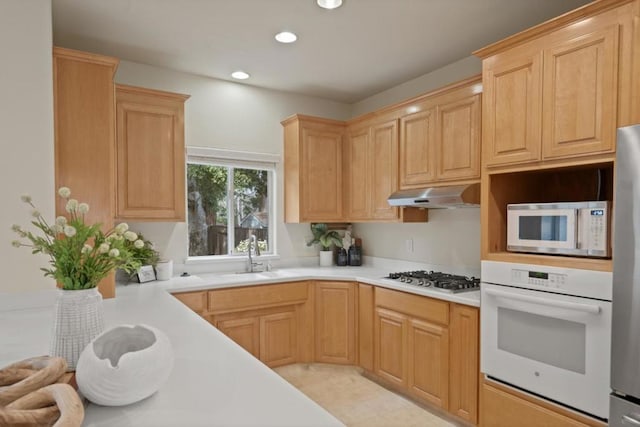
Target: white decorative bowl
(124, 364)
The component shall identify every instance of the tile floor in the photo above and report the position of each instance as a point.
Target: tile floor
(356, 400)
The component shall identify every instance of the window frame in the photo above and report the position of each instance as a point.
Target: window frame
(236, 160)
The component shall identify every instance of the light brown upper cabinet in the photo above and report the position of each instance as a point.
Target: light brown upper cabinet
(579, 98)
(512, 108)
(418, 148)
(559, 91)
(371, 171)
(458, 139)
(84, 120)
(150, 155)
(313, 150)
(440, 142)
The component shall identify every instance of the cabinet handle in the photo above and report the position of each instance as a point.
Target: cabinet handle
(629, 419)
(585, 308)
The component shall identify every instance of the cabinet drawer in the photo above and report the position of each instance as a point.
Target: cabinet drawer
(196, 301)
(414, 305)
(252, 297)
(505, 409)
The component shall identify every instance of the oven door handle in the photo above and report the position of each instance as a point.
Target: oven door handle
(585, 308)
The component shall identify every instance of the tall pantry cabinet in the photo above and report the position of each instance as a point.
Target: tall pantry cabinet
(85, 122)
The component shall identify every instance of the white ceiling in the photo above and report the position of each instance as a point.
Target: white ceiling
(346, 54)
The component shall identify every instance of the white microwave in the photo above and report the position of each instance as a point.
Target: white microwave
(579, 229)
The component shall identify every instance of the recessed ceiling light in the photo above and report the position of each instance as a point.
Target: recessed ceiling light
(329, 4)
(286, 37)
(240, 75)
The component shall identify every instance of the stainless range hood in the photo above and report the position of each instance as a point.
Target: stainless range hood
(446, 197)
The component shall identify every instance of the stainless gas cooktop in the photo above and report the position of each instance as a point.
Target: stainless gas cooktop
(443, 282)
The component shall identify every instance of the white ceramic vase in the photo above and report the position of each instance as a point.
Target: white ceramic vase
(164, 269)
(77, 320)
(326, 258)
(124, 364)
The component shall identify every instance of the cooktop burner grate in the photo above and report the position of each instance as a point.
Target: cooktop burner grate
(436, 280)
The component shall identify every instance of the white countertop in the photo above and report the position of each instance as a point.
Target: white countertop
(214, 382)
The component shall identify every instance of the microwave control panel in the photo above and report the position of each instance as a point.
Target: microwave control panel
(594, 229)
(538, 278)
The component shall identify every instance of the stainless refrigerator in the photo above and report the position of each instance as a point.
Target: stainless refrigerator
(625, 344)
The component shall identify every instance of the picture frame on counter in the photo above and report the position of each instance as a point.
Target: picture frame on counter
(146, 274)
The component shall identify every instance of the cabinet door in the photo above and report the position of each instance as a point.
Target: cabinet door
(357, 175)
(150, 155)
(335, 326)
(511, 108)
(384, 169)
(321, 192)
(278, 340)
(390, 346)
(458, 139)
(365, 326)
(245, 332)
(429, 362)
(196, 301)
(417, 149)
(464, 362)
(84, 121)
(580, 95)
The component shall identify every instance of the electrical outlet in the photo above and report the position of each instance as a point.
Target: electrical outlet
(409, 245)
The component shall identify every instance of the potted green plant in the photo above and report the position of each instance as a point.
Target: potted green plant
(80, 256)
(144, 253)
(325, 238)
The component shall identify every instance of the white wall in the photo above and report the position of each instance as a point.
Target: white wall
(451, 237)
(453, 72)
(233, 116)
(26, 120)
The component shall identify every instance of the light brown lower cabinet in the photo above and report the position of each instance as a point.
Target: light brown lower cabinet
(412, 354)
(390, 346)
(464, 361)
(244, 331)
(428, 349)
(270, 334)
(335, 322)
(278, 338)
(196, 301)
(268, 321)
(504, 407)
(424, 347)
(365, 326)
(428, 365)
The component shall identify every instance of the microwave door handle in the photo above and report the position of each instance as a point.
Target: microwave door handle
(579, 242)
(585, 308)
(631, 420)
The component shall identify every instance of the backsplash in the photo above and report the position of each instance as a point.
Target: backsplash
(451, 238)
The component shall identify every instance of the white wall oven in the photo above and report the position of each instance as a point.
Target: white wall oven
(547, 331)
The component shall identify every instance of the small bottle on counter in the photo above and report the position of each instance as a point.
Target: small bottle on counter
(343, 258)
(355, 254)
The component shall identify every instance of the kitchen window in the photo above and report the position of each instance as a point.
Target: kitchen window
(230, 196)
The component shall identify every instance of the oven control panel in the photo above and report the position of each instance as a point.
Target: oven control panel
(538, 278)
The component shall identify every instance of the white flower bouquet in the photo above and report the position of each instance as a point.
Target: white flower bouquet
(80, 254)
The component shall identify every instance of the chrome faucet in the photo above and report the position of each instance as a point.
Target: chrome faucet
(253, 246)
